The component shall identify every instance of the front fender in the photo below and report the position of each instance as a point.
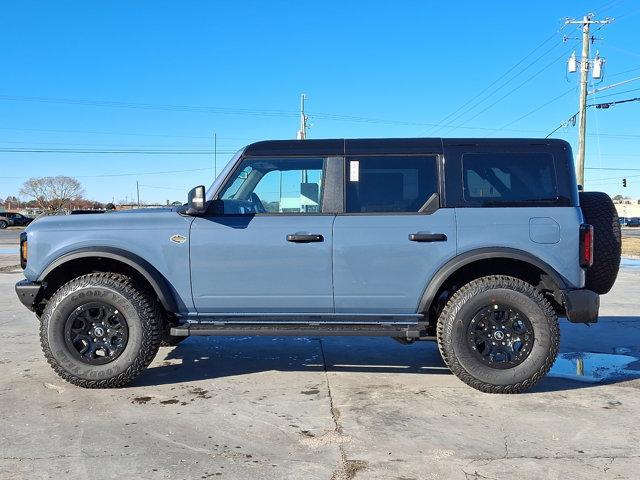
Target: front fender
(144, 268)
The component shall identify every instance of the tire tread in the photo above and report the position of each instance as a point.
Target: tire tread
(466, 292)
(147, 307)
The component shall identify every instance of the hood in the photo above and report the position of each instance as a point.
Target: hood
(108, 220)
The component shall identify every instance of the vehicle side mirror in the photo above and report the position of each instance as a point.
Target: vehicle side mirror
(196, 201)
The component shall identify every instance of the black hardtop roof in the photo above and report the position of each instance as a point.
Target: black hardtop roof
(362, 146)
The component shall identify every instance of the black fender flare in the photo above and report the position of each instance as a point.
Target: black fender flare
(471, 256)
(139, 264)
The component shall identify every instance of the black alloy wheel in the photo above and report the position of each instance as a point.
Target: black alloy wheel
(500, 336)
(96, 333)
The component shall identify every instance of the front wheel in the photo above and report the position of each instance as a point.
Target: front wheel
(100, 331)
(498, 334)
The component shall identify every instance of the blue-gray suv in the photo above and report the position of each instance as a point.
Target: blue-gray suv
(479, 244)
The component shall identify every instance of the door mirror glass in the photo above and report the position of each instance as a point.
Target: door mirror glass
(196, 201)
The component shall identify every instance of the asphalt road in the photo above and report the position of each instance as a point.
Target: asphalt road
(631, 232)
(324, 408)
(10, 236)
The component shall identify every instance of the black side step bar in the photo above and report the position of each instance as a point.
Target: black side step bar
(299, 330)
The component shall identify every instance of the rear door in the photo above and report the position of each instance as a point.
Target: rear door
(393, 235)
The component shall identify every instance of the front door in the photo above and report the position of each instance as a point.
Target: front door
(270, 251)
(392, 237)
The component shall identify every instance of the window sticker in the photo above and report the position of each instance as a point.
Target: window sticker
(354, 171)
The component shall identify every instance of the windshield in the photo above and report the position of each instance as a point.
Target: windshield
(215, 186)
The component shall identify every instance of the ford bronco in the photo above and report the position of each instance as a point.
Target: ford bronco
(478, 244)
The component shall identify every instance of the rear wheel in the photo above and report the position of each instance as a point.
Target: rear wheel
(3, 224)
(498, 334)
(100, 331)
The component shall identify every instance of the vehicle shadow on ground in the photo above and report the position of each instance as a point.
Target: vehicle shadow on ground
(202, 358)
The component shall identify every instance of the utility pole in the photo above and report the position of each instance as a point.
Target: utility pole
(215, 155)
(586, 23)
(302, 133)
(138, 190)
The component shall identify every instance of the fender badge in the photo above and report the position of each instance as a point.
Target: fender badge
(178, 238)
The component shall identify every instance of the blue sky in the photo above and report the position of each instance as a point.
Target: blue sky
(152, 75)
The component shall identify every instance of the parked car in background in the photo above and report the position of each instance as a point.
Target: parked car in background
(633, 222)
(4, 221)
(83, 212)
(623, 221)
(17, 219)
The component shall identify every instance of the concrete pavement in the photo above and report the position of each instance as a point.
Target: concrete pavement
(324, 408)
(10, 236)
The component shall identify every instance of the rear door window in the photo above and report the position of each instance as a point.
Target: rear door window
(390, 183)
(509, 179)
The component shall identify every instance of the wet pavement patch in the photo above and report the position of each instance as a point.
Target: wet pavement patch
(630, 262)
(313, 391)
(141, 400)
(594, 367)
(199, 392)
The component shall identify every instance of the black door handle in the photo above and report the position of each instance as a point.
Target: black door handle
(428, 237)
(304, 238)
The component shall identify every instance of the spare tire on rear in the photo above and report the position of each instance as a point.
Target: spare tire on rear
(599, 211)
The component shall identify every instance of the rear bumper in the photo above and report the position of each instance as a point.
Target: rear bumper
(582, 306)
(28, 293)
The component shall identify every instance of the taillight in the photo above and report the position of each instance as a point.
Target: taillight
(23, 250)
(586, 245)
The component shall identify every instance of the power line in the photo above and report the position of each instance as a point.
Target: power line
(151, 106)
(157, 187)
(108, 175)
(624, 72)
(531, 77)
(614, 169)
(607, 6)
(610, 179)
(616, 102)
(94, 132)
(614, 94)
(161, 146)
(487, 97)
(539, 108)
(112, 152)
(544, 42)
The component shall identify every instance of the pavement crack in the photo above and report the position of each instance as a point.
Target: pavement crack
(346, 469)
(506, 442)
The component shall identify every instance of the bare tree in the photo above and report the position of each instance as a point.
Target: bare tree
(52, 193)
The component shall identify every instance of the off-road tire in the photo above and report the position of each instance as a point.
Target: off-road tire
(462, 306)
(599, 211)
(3, 224)
(140, 310)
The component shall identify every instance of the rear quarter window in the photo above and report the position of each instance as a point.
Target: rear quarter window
(509, 179)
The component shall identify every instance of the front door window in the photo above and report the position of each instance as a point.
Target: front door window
(275, 186)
